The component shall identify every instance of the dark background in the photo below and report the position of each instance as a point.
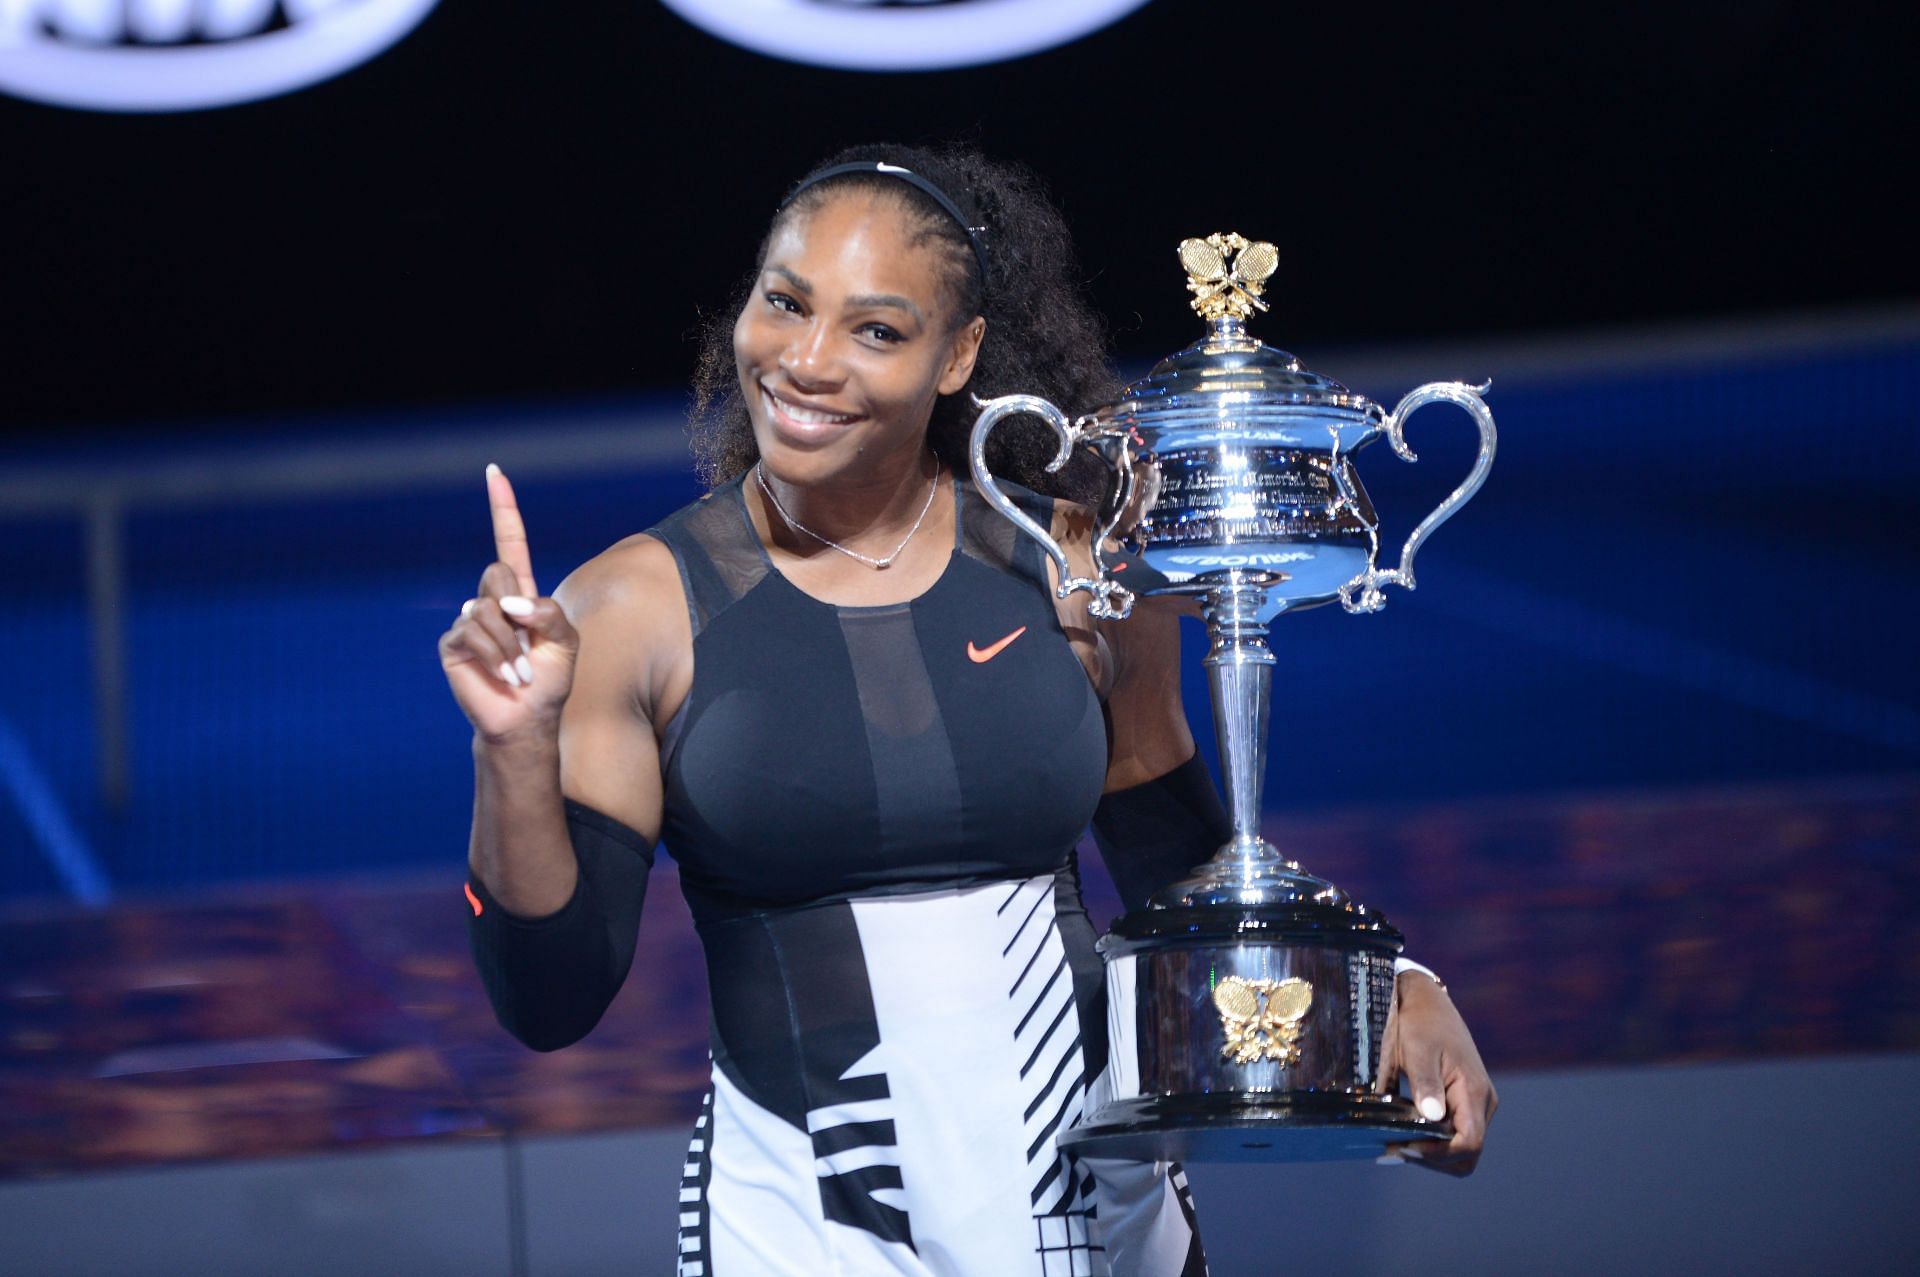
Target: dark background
(535, 201)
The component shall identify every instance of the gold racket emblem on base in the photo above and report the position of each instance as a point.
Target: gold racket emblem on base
(1261, 1018)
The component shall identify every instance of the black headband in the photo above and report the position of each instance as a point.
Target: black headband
(912, 179)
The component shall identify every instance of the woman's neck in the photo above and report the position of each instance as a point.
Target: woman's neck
(870, 514)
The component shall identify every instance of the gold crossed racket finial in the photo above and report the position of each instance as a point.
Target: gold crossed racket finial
(1221, 287)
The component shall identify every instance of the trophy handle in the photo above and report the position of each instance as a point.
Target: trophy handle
(1111, 601)
(1364, 593)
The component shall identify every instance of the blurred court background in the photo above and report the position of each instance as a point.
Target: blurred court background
(1637, 767)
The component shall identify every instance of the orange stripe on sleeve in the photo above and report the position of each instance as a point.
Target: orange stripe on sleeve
(471, 898)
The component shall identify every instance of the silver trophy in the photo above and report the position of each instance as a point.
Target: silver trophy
(1247, 1003)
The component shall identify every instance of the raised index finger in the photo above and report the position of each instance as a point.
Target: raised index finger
(509, 533)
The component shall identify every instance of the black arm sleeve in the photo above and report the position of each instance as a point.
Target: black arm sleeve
(1154, 833)
(550, 979)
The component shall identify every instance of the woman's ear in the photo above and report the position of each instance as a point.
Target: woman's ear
(966, 349)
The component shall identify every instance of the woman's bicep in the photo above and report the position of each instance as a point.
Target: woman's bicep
(609, 750)
(1135, 665)
(1147, 721)
(609, 760)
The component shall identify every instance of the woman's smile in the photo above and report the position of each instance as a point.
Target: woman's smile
(801, 423)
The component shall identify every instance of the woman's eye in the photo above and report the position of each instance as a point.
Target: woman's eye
(880, 332)
(780, 301)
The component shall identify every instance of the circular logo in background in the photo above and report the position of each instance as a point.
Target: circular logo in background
(900, 35)
(188, 55)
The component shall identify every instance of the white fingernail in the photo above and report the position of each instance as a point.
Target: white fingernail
(492, 469)
(1413, 1154)
(525, 669)
(1389, 1159)
(1433, 1108)
(507, 675)
(466, 609)
(526, 644)
(514, 605)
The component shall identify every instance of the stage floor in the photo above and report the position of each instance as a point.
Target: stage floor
(314, 1017)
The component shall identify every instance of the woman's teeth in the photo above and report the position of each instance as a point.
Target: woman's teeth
(804, 416)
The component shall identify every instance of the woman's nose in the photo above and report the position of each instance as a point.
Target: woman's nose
(810, 357)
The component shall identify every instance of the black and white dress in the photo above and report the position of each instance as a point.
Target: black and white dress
(874, 810)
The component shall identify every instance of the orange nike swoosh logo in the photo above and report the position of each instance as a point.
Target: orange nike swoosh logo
(981, 655)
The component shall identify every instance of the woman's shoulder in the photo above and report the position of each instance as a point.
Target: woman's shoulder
(1064, 519)
(1073, 527)
(1076, 527)
(632, 576)
(642, 569)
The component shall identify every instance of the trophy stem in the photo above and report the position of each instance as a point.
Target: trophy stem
(1240, 678)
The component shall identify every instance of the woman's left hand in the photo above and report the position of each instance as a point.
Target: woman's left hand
(1429, 1043)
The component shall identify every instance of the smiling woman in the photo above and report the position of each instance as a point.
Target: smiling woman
(1001, 253)
(847, 342)
(847, 698)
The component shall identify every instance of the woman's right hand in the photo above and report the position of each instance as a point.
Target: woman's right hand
(509, 657)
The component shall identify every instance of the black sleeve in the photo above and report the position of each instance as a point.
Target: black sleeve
(550, 979)
(1154, 833)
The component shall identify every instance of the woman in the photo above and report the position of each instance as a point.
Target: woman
(840, 689)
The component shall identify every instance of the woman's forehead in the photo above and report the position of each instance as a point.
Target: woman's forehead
(859, 242)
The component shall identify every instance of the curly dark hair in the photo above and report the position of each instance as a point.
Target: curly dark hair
(1042, 336)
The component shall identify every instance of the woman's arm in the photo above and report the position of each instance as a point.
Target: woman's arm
(566, 775)
(1161, 814)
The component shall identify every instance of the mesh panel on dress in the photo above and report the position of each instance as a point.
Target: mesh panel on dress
(720, 558)
(987, 535)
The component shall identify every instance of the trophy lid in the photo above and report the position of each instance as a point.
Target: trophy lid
(1229, 372)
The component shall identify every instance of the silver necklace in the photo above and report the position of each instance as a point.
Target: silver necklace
(760, 474)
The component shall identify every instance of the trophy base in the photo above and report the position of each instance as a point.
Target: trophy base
(1294, 1126)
